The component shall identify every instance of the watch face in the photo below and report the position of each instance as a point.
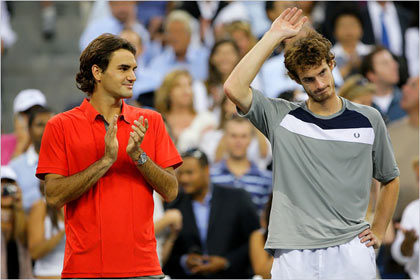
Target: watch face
(142, 159)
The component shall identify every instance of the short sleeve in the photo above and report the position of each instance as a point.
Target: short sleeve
(52, 156)
(166, 153)
(265, 112)
(384, 164)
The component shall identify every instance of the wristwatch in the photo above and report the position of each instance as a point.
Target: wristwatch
(142, 159)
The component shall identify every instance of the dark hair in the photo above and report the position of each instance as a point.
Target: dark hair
(347, 10)
(367, 61)
(269, 5)
(35, 111)
(197, 154)
(215, 77)
(98, 52)
(307, 52)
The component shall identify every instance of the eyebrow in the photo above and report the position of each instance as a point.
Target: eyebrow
(311, 77)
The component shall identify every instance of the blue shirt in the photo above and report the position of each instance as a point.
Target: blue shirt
(196, 62)
(395, 112)
(256, 182)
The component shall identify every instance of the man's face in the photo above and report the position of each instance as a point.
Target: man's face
(124, 11)
(348, 29)
(238, 138)
(192, 177)
(318, 82)
(278, 8)
(385, 69)
(178, 36)
(410, 94)
(118, 79)
(37, 128)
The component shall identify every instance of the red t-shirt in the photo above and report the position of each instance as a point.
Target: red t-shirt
(109, 229)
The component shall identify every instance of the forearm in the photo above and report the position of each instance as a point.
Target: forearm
(238, 82)
(60, 191)
(385, 207)
(41, 249)
(164, 182)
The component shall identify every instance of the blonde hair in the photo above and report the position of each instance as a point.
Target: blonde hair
(356, 86)
(241, 26)
(163, 94)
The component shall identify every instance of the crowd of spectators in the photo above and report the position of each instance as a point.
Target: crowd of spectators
(185, 52)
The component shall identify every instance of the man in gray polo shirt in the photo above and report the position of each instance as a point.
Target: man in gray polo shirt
(325, 152)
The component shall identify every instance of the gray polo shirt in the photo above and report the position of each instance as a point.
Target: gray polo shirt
(322, 170)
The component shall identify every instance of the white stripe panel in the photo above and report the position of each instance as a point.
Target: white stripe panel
(364, 135)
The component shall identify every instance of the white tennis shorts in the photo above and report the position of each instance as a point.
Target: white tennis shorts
(352, 260)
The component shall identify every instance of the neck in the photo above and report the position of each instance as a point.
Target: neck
(238, 166)
(107, 106)
(413, 117)
(326, 108)
(37, 147)
(349, 47)
(180, 110)
(199, 196)
(383, 90)
(181, 55)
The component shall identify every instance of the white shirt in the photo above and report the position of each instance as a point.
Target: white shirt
(392, 25)
(409, 220)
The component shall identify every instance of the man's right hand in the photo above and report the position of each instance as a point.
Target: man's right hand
(111, 141)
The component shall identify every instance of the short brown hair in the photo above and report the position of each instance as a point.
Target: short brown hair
(98, 52)
(307, 52)
(367, 62)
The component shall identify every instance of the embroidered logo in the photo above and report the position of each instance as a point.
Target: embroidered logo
(356, 135)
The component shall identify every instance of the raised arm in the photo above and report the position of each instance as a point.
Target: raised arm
(61, 189)
(236, 87)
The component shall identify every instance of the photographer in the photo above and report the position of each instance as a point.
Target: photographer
(16, 262)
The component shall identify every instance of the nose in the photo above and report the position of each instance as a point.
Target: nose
(132, 76)
(319, 84)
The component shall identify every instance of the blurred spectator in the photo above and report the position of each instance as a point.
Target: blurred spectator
(174, 100)
(235, 11)
(123, 16)
(348, 49)
(46, 238)
(358, 89)
(404, 135)
(180, 52)
(217, 222)
(25, 164)
(8, 36)
(405, 249)
(241, 33)
(146, 79)
(236, 170)
(314, 10)
(151, 14)
(411, 37)
(224, 56)
(167, 225)
(14, 144)
(213, 145)
(261, 260)
(49, 17)
(15, 258)
(380, 68)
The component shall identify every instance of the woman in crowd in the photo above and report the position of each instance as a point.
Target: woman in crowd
(174, 100)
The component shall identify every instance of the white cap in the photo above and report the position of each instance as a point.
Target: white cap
(28, 98)
(7, 173)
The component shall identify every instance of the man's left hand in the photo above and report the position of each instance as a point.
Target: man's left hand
(373, 240)
(136, 138)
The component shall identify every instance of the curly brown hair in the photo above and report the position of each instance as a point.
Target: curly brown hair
(307, 52)
(98, 52)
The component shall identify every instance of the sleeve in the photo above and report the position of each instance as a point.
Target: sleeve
(407, 223)
(384, 164)
(265, 112)
(166, 153)
(52, 156)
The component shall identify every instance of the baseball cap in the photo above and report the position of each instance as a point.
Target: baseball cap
(7, 173)
(28, 98)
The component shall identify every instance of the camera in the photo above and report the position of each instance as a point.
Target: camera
(9, 190)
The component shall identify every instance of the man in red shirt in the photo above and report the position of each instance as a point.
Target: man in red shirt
(102, 161)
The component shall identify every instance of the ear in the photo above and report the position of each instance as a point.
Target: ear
(332, 64)
(97, 72)
(370, 76)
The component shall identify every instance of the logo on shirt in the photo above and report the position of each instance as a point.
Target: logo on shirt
(356, 135)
